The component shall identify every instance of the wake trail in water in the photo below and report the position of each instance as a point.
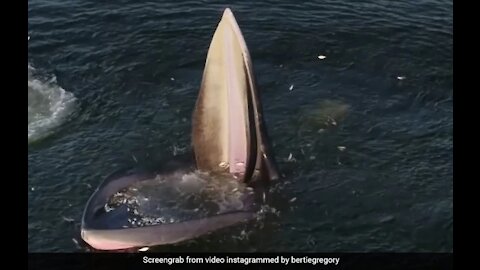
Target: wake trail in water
(48, 106)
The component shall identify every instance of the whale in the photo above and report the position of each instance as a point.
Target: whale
(228, 137)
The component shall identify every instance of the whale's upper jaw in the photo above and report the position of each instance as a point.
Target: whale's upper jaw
(228, 133)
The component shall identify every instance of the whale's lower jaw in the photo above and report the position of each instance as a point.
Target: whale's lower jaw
(163, 234)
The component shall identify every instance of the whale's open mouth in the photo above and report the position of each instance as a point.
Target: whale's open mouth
(180, 197)
(139, 210)
(228, 138)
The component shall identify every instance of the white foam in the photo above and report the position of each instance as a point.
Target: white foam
(179, 196)
(48, 106)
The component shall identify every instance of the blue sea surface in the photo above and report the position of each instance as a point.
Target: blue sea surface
(357, 97)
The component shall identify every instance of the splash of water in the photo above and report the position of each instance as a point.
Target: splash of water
(48, 106)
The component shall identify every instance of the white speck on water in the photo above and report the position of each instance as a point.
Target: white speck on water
(293, 199)
(291, 87)
(143, 249)
(28, 37)
(321, 57)
(67, 219)
(341, 148)
(401, 78)
(386, 219)
(312, 157)
(32, 188)
(75, 241)
(290, 157)
(172, 79)
(134, 158)
(108, 208)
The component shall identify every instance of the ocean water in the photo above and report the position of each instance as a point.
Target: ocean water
(357, 97)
